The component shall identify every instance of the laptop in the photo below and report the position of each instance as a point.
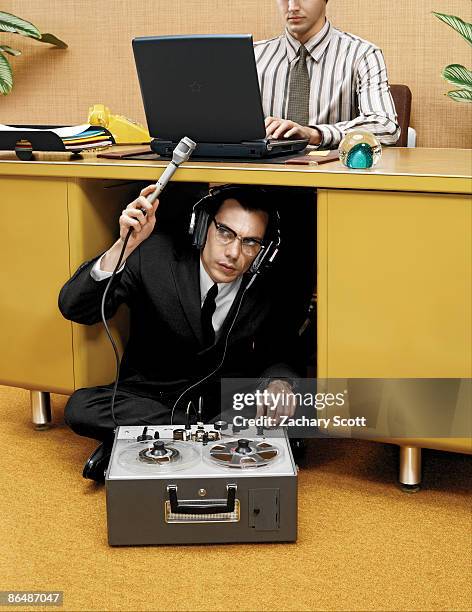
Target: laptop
(206, 88)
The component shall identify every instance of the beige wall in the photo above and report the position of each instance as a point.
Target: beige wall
(54, 86)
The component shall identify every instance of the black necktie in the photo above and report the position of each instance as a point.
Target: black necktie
(208, 308)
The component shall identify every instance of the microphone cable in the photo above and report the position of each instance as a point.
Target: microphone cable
(271, 252)
(215, 370)
(181, 153)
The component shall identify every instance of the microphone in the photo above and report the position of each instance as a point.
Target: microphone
(181, 153)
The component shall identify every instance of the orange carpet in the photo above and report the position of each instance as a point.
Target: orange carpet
(363, 544)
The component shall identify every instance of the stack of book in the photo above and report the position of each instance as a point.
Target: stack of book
(71, 138)
(89, 137)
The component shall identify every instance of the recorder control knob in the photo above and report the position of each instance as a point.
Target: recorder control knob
(243, 447)
(159, 449)
(220, 425)
(156, 435)
(144, 436)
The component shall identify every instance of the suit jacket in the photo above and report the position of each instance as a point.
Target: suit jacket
(165, 352)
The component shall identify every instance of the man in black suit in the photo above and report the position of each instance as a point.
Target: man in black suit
(195, 316)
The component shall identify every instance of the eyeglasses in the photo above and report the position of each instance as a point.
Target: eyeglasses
(225, 235)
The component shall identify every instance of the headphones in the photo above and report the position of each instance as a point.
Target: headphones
(205, 209)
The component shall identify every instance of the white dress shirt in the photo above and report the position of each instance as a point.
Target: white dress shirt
(226, 292)
(348, 84)
(224, 299)
(98, 274)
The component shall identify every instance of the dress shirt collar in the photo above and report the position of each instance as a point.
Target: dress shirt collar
(316, 46)
(224, 289)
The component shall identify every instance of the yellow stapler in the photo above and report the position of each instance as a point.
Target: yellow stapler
(123, 130)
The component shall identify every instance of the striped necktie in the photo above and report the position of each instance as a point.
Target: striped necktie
(298, 108)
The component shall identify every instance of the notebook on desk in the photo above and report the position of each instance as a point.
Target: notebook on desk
(206, 88)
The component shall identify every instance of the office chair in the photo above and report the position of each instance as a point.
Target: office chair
(401, 95)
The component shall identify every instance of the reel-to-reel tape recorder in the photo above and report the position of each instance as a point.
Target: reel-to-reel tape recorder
(203, 484)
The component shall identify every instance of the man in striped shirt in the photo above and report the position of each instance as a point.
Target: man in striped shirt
(341, 85)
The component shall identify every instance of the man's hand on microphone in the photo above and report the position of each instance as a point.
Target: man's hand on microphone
(133, 218)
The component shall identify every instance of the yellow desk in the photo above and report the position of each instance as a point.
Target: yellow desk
(394, 260)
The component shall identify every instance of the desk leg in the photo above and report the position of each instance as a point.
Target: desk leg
(40, 409)
(410, 468)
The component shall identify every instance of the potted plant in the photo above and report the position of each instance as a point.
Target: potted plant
(11, 23)
(455, 73)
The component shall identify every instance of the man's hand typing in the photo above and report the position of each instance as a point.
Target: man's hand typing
(284, 128)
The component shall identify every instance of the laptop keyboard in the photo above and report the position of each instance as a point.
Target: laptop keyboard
(279, 141)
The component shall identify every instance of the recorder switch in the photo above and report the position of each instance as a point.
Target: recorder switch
(144, 436)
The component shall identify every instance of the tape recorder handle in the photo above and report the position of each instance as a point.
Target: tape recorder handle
(198, 508)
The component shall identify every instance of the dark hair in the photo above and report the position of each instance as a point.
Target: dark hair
(251, 198)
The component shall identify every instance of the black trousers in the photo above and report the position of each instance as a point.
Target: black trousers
(88, 412)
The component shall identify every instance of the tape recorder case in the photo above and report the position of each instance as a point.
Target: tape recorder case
(203, 484)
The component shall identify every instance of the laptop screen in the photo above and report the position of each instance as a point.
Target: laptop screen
(203, 87)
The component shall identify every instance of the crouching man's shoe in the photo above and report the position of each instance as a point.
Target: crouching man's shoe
(298, 446)
(96, 465)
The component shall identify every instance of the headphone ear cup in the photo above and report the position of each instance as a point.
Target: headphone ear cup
(261, 257)
(201, 228)
(200, 218)
(256, 263)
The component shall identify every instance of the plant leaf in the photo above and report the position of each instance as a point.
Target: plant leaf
(464, 28)
(458, 75)
(6, 76)
(53, 40)
(11, 23)
(9, 50)
(460, 95)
